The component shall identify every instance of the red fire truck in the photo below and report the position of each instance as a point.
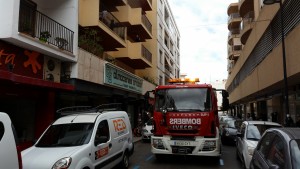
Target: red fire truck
(185, 116)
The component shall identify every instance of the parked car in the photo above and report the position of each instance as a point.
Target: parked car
(10, 155)
(89, 139)
(229, 131)
(248, 136)
(146, 130)
(223, 121)
(279, 148)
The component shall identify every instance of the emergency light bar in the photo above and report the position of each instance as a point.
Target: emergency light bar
(184, 80)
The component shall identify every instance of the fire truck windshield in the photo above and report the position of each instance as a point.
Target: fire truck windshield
(183, 100)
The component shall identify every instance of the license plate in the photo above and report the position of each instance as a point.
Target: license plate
(182, 143)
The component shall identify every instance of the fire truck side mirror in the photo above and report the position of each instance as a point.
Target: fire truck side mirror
(225, 104)
(225, 101)
(225, 94)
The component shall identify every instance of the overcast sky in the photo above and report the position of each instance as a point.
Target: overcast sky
(203, 37)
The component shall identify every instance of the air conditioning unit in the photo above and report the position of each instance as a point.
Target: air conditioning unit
(52, 69)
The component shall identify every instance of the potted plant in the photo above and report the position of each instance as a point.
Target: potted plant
(61, 42)
(44, 36)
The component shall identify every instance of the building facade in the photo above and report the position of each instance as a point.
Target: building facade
(255, 59)
(75, 53)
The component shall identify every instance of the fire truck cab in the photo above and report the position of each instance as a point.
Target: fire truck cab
(185, 119)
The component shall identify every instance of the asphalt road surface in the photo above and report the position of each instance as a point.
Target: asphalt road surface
(142, 158)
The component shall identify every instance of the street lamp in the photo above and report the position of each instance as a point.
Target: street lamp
(286, 95)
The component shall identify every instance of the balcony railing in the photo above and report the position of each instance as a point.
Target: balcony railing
(233, 16)
(112, 22)
(38, 25)
(247, 20)
(147, 23)
(146, 54)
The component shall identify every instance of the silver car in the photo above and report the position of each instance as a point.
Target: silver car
(146, 130)
(248, 136)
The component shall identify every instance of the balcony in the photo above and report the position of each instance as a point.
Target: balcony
(111, 30)
(232, 8)
(142, 28)
(37, 25)
(230, 66)
(245, 7)
(233, 34)
(234, 52)
(136, 55)
(146, 5)
(111, 5)
(234, 21)
(246, 27)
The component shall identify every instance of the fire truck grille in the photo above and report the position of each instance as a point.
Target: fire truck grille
(183, 131)
(183, 138)
(182, 149)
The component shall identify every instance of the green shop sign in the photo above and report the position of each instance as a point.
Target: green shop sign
(117, 77)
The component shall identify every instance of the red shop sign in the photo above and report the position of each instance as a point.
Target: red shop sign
(21, 61)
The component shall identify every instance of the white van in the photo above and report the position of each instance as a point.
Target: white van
(91, 139)
(10, 156)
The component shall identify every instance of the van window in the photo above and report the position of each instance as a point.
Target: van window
(66, 135)
(1, 130)
(102, 133)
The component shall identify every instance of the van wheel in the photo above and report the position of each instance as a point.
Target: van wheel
(125, 161)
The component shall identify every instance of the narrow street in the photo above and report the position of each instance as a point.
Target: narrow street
(144, 159)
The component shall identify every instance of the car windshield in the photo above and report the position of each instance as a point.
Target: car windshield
(254, 131)
(183, 100)
(230, 124)
(66, 135)
(295, 152)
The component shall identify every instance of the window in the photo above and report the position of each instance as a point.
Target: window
(1, 130)
(295, 149)
(66, 135)
(102, 134)
(276, 155)
(265, 144)
(195, 99)
(160, 56)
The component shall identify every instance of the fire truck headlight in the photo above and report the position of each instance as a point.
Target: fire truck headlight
(227, 133)
(209, 145)
(158, 143)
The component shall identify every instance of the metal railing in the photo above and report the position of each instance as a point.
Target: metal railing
(146, 54)
(38, 25)
(247, 19)
(112, 22)
(233, 16)
(147, 23)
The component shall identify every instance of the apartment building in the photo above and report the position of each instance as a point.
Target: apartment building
(36, 37)
(256, 82)
(167, 43)
(72, 53)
